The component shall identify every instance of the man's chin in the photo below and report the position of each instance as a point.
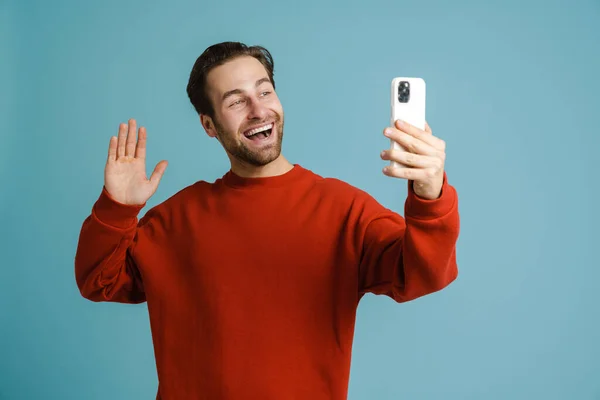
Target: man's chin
(261, 160)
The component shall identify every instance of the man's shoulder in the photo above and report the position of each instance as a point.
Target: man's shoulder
(349, 199)
(330, 184)
(182, 199)
(339, 190)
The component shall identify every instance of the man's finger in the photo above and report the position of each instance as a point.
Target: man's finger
(158, 173)
(408, 128)
(410, 143)
(122, 138)
(425, 136)
(427, 128)
(112, 149)
(409, 159)
(131, 139)
(140, 150)
(413, 174)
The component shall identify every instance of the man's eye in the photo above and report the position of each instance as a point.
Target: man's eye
(236, 103)
(265, 93)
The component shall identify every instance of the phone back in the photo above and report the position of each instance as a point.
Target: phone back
(407, 104)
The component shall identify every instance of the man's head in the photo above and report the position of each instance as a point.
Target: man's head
(231, 87)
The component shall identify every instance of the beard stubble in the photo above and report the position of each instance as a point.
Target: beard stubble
(243, 152)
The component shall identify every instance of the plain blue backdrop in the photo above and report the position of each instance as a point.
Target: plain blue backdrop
(513, 89)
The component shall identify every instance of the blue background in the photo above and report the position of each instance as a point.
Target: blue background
(513, 89)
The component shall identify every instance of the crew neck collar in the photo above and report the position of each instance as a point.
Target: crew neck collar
(232, 180)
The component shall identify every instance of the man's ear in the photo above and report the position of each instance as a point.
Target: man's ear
(208, 125)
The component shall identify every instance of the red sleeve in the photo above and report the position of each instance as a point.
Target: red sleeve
(406, 258)
(104, 268)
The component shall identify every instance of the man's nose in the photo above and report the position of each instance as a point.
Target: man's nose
(257, 109)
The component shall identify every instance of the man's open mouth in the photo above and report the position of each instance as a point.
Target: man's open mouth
(260, 132)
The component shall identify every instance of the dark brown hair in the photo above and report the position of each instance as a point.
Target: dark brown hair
(214, 56)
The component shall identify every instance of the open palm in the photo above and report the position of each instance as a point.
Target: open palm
(125, 172)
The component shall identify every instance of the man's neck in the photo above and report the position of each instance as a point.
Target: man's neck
(277, 167)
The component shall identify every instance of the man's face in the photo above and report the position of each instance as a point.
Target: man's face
(245, 101)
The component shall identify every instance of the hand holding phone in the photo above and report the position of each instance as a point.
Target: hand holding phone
(407, 104)
(422, 161)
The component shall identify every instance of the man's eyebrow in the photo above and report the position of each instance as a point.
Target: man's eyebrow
(238, 91)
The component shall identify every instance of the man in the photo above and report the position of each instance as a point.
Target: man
(252, 282)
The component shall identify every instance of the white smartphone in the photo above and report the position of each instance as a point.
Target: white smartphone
(408, 104)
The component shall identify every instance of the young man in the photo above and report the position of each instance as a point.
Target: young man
(252, 282)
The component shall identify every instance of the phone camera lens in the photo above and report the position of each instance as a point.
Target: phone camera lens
(404, 92)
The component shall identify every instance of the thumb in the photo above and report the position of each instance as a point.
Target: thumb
(158, 172)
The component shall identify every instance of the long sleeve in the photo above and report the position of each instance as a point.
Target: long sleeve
(104, 268)
(406, 258)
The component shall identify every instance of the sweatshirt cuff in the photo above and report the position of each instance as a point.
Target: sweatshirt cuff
(110, 212)
(420, 208)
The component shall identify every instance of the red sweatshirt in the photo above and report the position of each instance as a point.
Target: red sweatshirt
(252, 284)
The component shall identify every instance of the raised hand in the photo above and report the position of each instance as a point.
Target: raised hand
(125, 172)
(423, 161)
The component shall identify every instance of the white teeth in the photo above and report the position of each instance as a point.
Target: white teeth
(259, 129)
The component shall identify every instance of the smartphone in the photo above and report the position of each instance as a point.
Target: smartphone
(408, 104)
